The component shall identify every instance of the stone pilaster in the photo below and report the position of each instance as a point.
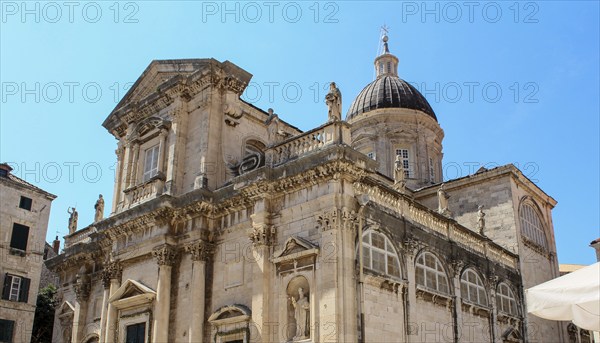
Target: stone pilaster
(201, 253)
(82, 292)
(118, 176)
(165, 258)
(111, 279)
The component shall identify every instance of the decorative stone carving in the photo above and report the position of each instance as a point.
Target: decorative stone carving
(99, 208)
(302, 315)
(165, 255)
(261, 233)
(399, 182)
(112, 270)
(443, 201)
(457, 266)
(82, 287)
(481, 220)
(343, 219)
(411, 245)
(200, 250)
(72, 219)
(333, 99)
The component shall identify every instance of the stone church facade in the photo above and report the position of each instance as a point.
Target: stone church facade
(230, 225)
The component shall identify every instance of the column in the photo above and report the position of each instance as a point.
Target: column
(165, 257)
(201, 252)
(133, 175)
(118, 176)
(112, 272)
(162, 149)
(348, 294)
(411, 246)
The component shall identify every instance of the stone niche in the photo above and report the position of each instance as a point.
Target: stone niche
(295, 265)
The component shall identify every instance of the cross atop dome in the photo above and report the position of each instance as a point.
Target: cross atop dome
(386, 64)
(384, 38)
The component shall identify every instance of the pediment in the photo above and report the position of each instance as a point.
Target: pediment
(165, 80)
(132, 289)
(160, 72)
(511, 335)
(66, 308)
(230, 314)
(295, 248)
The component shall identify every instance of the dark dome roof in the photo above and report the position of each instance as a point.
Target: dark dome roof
(389, 92)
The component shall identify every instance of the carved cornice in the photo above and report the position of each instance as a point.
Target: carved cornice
(157, 217)
(165, 255)
(200, 250)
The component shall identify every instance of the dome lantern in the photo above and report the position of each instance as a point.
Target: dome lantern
(386, 64)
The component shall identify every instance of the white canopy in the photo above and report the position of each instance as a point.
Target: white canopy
(575, 297)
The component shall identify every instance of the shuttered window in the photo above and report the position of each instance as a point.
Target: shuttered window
(18, 240)
(16, 288)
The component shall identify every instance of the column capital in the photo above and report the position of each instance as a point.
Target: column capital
(82, 287)
(200, 250)
(112, 270)
(411, 245)
(165, 255)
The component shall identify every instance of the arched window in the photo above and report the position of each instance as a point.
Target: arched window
(472, 288)
(506, 300)
(430, 273)
(379, 254)
(531, 225)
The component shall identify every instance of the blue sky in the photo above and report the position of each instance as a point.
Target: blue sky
(510, 82)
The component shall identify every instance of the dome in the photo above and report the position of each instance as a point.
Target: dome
(389, 91)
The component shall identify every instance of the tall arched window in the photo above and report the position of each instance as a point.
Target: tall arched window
(379, 254)
(472, 288)
(531, 225)
(430, 273)
(506, 300)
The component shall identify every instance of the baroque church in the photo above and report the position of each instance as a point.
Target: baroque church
(229, 224)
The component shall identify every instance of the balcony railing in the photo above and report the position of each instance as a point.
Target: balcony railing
(81, 236)
(316, 139)
(143, 192)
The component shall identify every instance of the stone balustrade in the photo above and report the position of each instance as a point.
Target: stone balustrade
(446, 227)
(337, 132)
(143, 192)
(81, 236)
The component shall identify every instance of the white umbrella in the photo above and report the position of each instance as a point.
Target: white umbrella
(575, 297)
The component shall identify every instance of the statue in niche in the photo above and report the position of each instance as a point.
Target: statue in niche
(72, 219)
(99, 207)
(399, 174)
(443, 201)
(480, 219)
(333, 99)
(302, 315)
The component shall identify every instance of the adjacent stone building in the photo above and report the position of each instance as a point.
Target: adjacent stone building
(24, 213)
(230, 225)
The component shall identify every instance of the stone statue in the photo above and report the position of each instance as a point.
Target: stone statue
(480, 219)
(333, 99)
(99, 207)
(72, 219)
(301, 314)
(399, 173)
(443, 201)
